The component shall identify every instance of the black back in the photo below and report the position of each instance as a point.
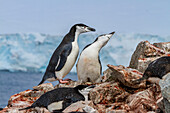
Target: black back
(158, 68)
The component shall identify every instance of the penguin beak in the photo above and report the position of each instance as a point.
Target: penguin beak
(112, 32)
(90, 29)
(110, 35)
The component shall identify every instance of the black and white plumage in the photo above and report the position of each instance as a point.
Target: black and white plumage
(157, 68)
(89, 67)
(65, 55)
(58, 99)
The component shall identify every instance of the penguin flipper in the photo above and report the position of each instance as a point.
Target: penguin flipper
(63, 57)
(56, 63)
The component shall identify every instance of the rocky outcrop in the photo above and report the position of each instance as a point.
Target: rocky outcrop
(164, 46)
(117, 93)
(121, 95)
(145, 53)
(145, 101)
(107, 93)
(125, 75)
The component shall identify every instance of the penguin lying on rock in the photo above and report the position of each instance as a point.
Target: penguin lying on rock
(158, 68)
(89, 67)
(58, 99)
(64, 57)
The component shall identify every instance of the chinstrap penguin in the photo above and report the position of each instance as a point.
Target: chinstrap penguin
(157, 69)
(65, 55)
(58, 99)
(89, 66)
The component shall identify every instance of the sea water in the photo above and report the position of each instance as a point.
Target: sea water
(15, 82)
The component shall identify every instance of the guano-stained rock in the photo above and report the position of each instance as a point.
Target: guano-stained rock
(105, 93)
(126, 76)
(145, 101)
(145, 53)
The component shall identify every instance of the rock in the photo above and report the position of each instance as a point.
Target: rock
(166, 105)
(106, 93)
(89, 109)
(126, 76)
(165, 90)
(145, 53)
(72, 84)
(165, 86)
(145, 101)
(45, 87)
(142, 63)
(21, 99)
(163, 45)
(115, 111)
(118, 108)
(111, 98)
(153, 80)
(69, 84)
(160, 104)
(107, 76)
(16, 110)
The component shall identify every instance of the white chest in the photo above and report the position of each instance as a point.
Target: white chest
(55, 106)
(90, 52)
(74, 53)
(71, 59)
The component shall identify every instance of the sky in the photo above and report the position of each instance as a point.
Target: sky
(56, 17)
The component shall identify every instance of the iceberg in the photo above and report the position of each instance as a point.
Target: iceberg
(31, 52)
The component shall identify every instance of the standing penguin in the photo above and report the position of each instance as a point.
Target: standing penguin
(58, 99)
(64, 57)
(89, 67)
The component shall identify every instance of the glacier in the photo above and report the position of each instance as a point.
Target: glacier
(31, 52)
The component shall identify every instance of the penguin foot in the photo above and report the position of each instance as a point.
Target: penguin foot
(64, 81)
(67, 79)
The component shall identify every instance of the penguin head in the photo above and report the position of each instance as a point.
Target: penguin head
(84, 90)
(81, 28)
(103, 39)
